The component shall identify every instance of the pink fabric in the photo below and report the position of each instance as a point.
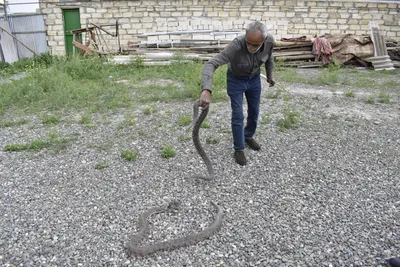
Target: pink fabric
(322, 49)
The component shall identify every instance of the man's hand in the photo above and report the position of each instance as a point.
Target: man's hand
(271, 82)
(205, 98)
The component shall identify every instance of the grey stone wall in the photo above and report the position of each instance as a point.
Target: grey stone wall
(288, 18)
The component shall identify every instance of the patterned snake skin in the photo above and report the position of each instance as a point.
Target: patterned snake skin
(133, 246)
(197, 121)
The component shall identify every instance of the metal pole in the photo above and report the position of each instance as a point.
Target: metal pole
(5, 10)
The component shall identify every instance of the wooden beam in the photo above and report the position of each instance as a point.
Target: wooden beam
(81, 46)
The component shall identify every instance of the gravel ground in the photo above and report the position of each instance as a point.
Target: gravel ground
(324, 194)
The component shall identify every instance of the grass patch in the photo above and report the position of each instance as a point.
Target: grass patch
(34, 145)
(288, 75)
(266, 119)
(290, 120)
(13, 123)
(129, 155)
(370, 100)
(184, 120)
(168, 151)
(54, 142)
(129, 121)
(274, 94)
(183, 138)
(74, 83)
(212, 140)
(349, 93)
(71, 83)
(50, 119)
(205, 124)
(325, 77)
(101, 165)
(86, 120)
(287, 97)
(149, 110)
(384, 98)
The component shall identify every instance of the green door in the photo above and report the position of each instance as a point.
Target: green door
(72, 21)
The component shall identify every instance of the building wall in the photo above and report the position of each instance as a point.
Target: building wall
(288, 18)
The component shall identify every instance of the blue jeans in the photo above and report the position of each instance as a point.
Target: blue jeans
(251, 88)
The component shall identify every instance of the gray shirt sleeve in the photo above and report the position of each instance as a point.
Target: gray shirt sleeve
(270, 64)
(222, 58)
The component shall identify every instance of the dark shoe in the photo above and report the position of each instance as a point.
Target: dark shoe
(253, 144)
(240, 157)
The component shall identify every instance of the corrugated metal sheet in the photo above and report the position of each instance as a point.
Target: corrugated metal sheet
(7, 45)
(30, 30)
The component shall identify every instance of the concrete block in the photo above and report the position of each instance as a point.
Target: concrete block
(127, 14)
(280, 14)
(334, 16)
(355, 27)
(146, 19)
(293, 31)
(304, 31)
(290, 14)
(359, 5)
(333, 27)
(323, 4)
(302, 9)
(311, 26)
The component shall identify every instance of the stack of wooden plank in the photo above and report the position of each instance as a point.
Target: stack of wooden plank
(288, 53)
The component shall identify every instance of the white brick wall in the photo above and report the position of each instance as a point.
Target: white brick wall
(289, 18)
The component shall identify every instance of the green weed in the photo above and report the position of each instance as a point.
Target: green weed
(183, 138)
(168, 151)
(86, 119)
(129, 155)
(290, 120)
(50, 119)
(274, 94)
(13, 123)
(370, 100)
(54, 142)
(384, 98)
(205, 125)
(212, 140)
(266, 119)
(127, 122)
(34, 145)
(349, 93)
(184, 120)
(149, 110)
(101, 165)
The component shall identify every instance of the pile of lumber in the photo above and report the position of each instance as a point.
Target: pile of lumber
(188, 45)
(297, 54)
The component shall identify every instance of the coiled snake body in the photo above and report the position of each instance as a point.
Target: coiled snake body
(133, 247)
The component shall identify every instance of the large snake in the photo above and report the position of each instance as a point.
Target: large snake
(197, 121)
(133, 247)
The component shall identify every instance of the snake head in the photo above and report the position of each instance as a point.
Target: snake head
(174, 204)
